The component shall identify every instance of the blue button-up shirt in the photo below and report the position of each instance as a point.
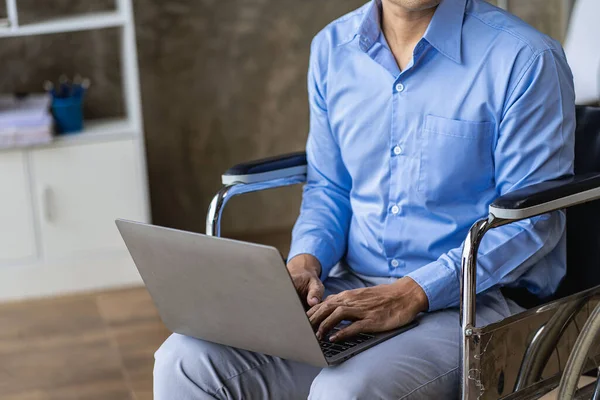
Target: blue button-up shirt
(402, 163)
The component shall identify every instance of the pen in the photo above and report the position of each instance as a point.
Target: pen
(49, 87)
(65, 86)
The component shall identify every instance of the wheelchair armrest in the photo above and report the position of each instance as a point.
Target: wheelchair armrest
(266, 169)
(547, 196)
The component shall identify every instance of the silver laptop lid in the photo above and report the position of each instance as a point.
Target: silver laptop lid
(224, 291)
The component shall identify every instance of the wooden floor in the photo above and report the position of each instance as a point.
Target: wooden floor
(96, 346)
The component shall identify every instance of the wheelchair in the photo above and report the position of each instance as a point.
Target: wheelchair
(554, 341)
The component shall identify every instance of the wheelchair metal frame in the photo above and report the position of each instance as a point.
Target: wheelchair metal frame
(520, 357)
(523, 356)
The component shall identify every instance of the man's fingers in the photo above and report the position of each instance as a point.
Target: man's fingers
(351, 330)
(315, 292)
(321, 313)
(338, 315)
(313, 309)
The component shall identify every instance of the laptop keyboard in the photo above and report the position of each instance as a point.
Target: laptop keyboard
(331, 349)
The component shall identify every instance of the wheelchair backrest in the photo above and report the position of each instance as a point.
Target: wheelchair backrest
(583, 221)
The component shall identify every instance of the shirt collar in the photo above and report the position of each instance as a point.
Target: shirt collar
(444, 31)
(370, 27)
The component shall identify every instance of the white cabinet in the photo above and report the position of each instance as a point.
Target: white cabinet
(81, 190)
(57, 216)
(17, 238)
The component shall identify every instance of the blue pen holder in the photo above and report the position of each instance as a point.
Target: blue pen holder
(68, 114)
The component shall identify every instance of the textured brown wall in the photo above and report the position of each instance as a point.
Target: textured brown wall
(223, 81)
(545, 15)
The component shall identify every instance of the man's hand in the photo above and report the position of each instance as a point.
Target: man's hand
(305, 270)
(375, 309)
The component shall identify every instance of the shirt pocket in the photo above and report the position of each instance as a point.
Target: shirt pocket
(456, 158)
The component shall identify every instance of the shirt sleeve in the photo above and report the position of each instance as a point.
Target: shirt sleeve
(535, 143)
(322, 227)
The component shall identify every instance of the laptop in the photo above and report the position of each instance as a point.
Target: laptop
(234, 293)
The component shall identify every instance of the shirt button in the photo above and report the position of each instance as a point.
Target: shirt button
(397, 150)
(395, 210)
(395, 263)
(399, 87)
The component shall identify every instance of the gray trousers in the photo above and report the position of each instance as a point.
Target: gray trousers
(421, 363)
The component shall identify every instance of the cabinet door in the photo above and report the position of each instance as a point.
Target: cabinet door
(81, 190)
(17, 238)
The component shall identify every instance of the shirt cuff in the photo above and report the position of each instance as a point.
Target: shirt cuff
(440, 284)
(317, 247)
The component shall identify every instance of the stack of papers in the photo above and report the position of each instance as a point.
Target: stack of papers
(25, 121)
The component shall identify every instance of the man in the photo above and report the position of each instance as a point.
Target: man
(422, 113)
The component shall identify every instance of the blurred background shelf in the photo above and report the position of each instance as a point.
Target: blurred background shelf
(78, 23)
(95, 131)
(60, 198)
(99, 130)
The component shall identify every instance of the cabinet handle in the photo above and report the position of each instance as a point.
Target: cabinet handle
(48, 203)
